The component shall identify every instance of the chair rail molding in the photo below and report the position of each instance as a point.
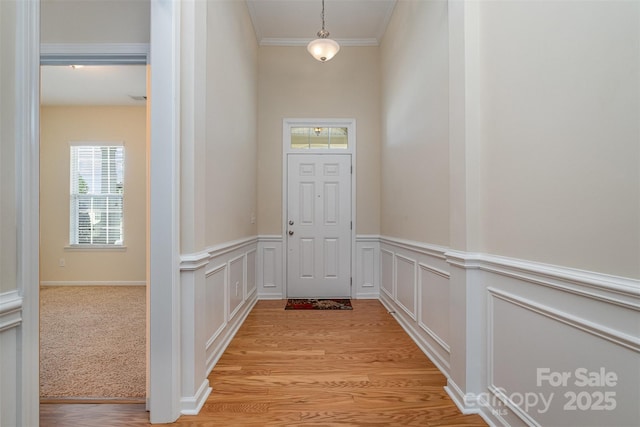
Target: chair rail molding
(10, 310)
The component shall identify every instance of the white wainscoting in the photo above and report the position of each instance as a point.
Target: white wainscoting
(366, 278)
(271, 271)
(10, 320)
(251, 283)
(491, 323)
(218, 290)
(387, 272)
(415, 288)
(539, 320)
(488, 323)
(271, 267)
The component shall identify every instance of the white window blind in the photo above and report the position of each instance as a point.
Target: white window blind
(97, 185)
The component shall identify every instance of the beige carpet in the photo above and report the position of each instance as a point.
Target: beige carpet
(92, 341)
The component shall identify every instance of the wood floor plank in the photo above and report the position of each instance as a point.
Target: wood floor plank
(305, 367)
(93, 415)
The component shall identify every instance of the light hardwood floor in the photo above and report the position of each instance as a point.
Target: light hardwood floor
(306, 367)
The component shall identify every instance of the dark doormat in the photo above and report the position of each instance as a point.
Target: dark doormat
(318, 304)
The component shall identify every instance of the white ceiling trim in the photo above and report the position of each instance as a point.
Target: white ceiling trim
(265, 31)
(304, 42)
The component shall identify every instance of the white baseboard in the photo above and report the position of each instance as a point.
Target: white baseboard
(458, 398)
(271, 296)
(192, 405)
(372, 295)
(94, 283)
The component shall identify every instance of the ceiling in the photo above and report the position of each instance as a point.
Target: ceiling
(275, 22)
(296, 22)
(93, 84)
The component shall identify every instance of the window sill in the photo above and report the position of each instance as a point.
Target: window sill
(109, 248)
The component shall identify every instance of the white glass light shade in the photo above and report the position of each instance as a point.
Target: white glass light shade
(323, 49)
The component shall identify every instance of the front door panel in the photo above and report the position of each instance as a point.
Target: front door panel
(319, 226)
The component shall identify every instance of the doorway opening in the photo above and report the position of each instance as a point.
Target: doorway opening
(319, 207)
(94, 219)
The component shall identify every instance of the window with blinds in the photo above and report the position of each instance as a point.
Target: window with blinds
(97, 185)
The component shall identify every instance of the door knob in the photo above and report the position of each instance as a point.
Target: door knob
(290, 222)
(290, 232)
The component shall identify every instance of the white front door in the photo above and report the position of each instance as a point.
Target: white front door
(318, 226)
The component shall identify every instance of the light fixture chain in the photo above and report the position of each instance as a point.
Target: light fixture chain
(322, 48)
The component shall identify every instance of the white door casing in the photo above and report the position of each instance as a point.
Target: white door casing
(319, 226)
(340, 245)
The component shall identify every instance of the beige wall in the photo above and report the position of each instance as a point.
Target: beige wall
(59, 126)
(415, 150)
(95, 21)
(294, 85)
(231, 117)
(8, 260)
(561, 133)
(559, 151)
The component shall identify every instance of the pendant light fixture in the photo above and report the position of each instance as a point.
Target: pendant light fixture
(323, 48)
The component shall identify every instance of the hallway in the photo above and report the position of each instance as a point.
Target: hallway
(307, 367)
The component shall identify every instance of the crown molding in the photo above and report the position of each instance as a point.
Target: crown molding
(304, 42)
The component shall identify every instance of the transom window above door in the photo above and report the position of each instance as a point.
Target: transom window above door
(319, 138)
